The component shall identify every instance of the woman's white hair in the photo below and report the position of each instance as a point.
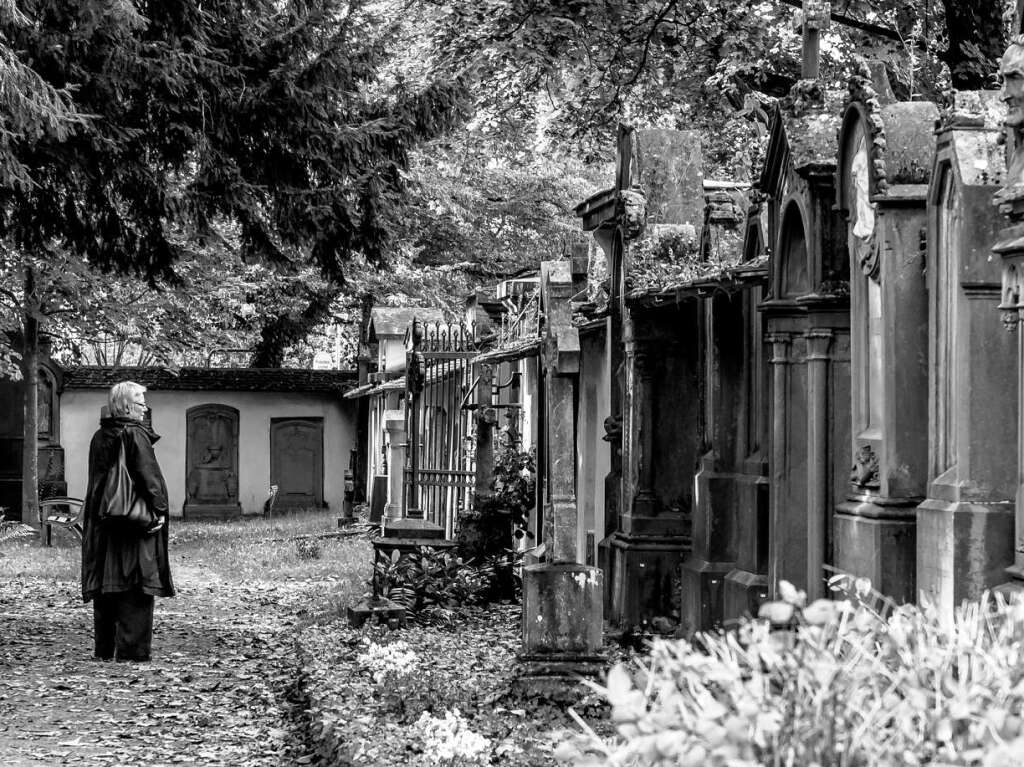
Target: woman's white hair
(122, 397)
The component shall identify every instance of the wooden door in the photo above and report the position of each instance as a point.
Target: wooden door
(297, 461)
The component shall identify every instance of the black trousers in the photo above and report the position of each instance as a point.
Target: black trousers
(123, 625)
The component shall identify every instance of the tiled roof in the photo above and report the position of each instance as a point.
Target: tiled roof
(213, 379)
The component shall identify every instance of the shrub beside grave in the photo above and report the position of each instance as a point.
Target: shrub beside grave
(853, 682)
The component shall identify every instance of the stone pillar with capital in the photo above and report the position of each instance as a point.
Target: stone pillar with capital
(781, 538)
(562, 596)
(394, 425)
(819, 507)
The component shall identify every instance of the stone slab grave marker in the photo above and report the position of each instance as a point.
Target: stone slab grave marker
(562, 598)
(212, 457)
(965, 525)
(885, 159)
(807, 317)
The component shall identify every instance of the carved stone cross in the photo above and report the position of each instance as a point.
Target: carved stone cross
(817, 17)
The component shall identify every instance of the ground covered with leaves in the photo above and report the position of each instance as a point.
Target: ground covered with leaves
(376, 697)
(254, 663)
(216, 692)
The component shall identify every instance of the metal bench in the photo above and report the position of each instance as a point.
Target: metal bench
(62, 511)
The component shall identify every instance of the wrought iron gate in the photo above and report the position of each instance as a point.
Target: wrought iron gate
(440, 459)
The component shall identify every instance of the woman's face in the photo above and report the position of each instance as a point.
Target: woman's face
(137, 407)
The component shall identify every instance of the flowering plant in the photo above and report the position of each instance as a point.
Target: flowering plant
(394, 658)
(449, 741)
(846, 683)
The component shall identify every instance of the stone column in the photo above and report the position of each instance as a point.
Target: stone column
(562, 475)
(562, 599)
(640, 388)
(818, 343)
(486, 418)
(394, 424)
(779, 361)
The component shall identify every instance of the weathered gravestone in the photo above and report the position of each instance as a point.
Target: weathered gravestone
(807, 315)
(884, 164)
(965, 525)
(211, 449)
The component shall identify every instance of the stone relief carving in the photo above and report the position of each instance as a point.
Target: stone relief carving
(867, 246)
(213, 449)
(613, 433)
(865, 468)
(1009, 305)
(632, 212)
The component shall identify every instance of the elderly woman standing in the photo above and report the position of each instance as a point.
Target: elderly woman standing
(124, 569)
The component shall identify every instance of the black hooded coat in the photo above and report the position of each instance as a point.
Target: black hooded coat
(116, 559)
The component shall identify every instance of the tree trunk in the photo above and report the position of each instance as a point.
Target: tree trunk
(30, 376)
(977, 40)
(281, 332)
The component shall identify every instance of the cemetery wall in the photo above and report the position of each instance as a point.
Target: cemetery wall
(80, 413)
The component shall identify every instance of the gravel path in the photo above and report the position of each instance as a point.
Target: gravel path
(213, 695)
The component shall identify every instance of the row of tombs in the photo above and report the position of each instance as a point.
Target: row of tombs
(819, 374)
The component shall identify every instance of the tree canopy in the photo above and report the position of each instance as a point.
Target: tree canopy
(190, 116)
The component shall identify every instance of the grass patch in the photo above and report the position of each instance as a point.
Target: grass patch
(244, 552)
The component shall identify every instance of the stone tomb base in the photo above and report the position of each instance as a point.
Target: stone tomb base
(962, 550)
(645, 568)
(219, 511)
(563, 627)
(743, 593)
(878, 543)
(702, 595)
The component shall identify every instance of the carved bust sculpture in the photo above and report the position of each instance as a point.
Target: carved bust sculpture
(1011, 72)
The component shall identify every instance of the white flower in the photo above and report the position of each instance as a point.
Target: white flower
(393, 658)
(449, 739)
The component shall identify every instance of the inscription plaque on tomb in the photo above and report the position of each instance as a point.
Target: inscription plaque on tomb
(212, 459)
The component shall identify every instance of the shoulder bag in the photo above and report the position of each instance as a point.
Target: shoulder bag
(121, 504)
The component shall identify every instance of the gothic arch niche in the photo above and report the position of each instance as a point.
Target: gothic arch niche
(794, 272)
(211, 456)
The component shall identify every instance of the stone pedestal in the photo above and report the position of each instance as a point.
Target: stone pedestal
(383, 610)
(645, 569)
(713, 556)
(212, 512)
(746, 586)
(562, 620)
(394, 424)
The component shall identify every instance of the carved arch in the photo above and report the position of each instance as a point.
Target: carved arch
(794, 274)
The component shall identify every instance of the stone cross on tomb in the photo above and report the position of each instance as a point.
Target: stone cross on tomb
(817, 15)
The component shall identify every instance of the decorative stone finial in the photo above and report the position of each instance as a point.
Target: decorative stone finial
(817, 14)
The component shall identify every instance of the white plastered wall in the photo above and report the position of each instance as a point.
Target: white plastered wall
(79, 419)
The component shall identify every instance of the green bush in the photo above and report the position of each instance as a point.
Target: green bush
(431, 584)
(487, 533)
(848, 683)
